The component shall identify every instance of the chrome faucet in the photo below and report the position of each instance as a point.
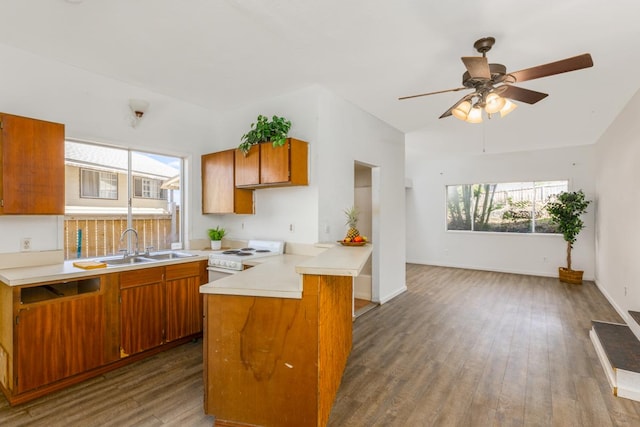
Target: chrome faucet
(122, 239)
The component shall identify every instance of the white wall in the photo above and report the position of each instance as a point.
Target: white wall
(94, 108)
(347, 135)
(338, 134)
(618, 204)
(275, 208)
(431, 169)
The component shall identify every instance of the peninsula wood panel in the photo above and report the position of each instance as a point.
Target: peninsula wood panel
(31, 166)
(260, 359)
(335, 336)
(277, 361)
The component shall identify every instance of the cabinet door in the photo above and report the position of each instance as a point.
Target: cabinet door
(59, 339)
(32, 166)
(142, 310)
(184, 302)
(274, 163)
(248, 166)
(219, 192)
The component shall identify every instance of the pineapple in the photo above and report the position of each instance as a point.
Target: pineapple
(352, 222)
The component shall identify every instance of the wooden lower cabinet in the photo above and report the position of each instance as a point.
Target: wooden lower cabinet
(183, 299)
(59, 339)
(141, 310)
(55, 334)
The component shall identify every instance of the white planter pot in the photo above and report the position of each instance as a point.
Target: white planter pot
(216, 244)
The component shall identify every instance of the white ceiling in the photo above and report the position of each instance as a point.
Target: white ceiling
(222, 54)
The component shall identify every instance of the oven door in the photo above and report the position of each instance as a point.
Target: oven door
(216, 273)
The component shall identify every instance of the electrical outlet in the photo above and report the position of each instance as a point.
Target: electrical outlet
(25, 244)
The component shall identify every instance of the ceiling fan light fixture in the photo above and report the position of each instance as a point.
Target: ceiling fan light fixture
(494, 103)
(507, 108)
(462, 110)
(475, 115)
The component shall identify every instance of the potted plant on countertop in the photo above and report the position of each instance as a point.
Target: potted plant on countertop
(565, 211)
(216, 235)
(263, 130)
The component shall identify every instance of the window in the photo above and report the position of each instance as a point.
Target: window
(514, 207)
(148, 188)
(109, 189)
(98, 185)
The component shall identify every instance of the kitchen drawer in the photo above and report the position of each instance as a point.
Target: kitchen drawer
(141, 277)
(179, 271)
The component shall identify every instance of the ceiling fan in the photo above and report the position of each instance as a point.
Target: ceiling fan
(493, 85)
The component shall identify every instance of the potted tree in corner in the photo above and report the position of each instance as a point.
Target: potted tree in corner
(565, 211)
(216, 235)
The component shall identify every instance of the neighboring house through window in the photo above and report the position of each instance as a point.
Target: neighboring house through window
(98, 185)
(148, 188)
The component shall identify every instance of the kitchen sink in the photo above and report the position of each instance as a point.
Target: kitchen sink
(160, 256)
(125, 261)
(137, 259)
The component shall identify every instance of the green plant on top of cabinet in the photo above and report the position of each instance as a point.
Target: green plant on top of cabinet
(219, 192)
(31, 166)
(269, 166)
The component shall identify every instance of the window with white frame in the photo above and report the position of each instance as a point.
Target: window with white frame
(109, 189)
(513, 207)
(97, 184)
(148, 188)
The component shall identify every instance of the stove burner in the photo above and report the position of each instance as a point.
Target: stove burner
(263, 250)
(231, 252)
(244, 253)
(247, 249)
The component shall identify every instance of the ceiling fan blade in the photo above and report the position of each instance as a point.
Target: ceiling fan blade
(521, 94)
(565, 65)
(433, 93)
(478, 66)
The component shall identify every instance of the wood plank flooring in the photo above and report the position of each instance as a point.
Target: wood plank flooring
(164, 390)
(472, 348)
(459, 348)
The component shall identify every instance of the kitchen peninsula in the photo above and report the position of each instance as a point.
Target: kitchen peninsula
(277, 338)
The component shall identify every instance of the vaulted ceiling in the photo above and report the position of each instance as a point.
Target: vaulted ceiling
(227, 53)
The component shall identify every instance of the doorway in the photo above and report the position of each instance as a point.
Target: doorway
(363, 199)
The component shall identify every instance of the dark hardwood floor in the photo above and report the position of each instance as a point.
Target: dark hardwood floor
(459, 348)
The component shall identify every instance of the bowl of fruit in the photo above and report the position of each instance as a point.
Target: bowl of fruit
(355, 241)
(353, 237)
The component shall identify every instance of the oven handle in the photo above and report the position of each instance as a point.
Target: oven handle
(223, 270)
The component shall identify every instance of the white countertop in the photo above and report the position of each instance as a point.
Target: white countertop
(65, 270)
(273, 276)
(337, 261)
(281, 276)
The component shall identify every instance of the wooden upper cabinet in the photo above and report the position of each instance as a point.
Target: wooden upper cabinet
(31, 166)
(269, 166)
(219, 192)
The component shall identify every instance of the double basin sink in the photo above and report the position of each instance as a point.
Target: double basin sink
(144, 258)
